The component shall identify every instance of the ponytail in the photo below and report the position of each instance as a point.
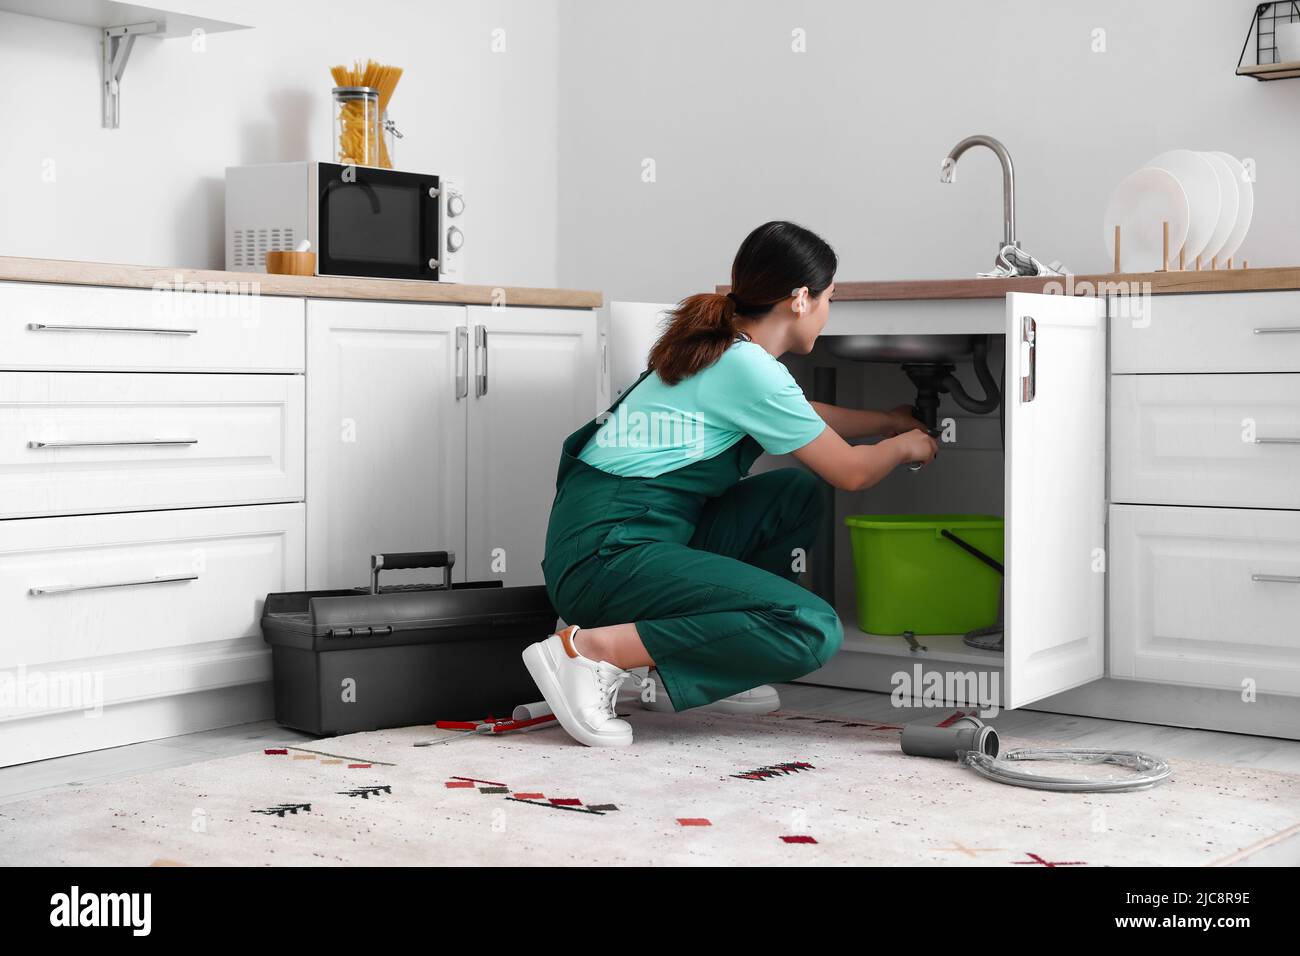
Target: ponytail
(699, 330)
(774, 259)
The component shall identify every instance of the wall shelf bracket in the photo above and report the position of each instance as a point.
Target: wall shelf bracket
(116, 45)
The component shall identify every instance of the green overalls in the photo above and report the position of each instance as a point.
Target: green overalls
(702, 562)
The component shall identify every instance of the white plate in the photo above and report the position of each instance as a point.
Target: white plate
(1138, 206)
(1201, 184)
(1230, 200)
(1245, 206)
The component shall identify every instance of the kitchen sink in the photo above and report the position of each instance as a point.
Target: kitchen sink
(903, 348)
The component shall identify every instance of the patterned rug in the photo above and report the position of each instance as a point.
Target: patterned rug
(695, 788)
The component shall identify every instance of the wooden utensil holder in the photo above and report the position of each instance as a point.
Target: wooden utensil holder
(286, 262)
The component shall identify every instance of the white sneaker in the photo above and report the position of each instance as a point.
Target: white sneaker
(581, 692)
(761, 700)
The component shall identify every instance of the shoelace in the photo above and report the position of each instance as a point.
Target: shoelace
(611, 678)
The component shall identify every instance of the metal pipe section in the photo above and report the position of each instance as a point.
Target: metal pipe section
(949, 175)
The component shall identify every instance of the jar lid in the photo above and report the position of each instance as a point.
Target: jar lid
(355, 92)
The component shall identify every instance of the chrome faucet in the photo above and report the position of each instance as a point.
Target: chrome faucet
(1011, 260)
(948, 174)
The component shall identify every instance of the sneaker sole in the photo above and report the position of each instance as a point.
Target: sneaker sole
(540, 667)
(764, 705)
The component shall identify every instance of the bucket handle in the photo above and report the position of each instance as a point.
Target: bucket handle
(969, 548)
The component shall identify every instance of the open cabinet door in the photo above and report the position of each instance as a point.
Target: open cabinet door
(1055, 494)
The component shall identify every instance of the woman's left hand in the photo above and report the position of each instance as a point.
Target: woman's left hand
(901, 421)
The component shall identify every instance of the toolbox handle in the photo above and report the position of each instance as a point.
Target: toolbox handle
(409, 560)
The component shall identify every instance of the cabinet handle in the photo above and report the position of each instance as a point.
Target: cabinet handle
(96, 444)
(1028, 359)
(64, 589)
(481, 360)
(462, 362)
(1272, 330)
(44, 327)
(1276, 441)
(1276, 578)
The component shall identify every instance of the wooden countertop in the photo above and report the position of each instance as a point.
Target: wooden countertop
(1162, 283)
(15, 269)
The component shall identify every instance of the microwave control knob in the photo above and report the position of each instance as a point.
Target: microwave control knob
(455, 206)
(455, 239)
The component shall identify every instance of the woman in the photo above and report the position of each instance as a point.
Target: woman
(660, 551)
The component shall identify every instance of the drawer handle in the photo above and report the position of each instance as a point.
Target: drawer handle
(1276, 578)
(64, 589)
(1270, 330)
(45, 327)
(1276, 441)
(96, 444)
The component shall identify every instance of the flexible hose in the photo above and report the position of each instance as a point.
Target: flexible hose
(992, 395)
(1149, 770)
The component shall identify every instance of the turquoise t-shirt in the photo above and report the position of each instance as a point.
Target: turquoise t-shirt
(658, 428)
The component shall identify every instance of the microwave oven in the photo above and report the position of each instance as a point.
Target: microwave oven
(361, 220)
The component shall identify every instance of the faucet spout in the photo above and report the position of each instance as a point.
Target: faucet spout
(948, 174)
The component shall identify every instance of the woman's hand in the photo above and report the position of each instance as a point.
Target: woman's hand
(900, 420)
(914, 446)
(855, 467)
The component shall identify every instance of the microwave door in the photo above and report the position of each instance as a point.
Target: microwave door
(377, 223)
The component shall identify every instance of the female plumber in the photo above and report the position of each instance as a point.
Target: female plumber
(660, 553)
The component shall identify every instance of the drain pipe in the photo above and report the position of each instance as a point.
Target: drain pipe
(992, 395)
(950, 740)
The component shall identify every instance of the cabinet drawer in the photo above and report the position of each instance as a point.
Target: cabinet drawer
(1217, 332)
(1230, 440)
(82, 588)
(85, 442)
(87, 327)
(1205, 596)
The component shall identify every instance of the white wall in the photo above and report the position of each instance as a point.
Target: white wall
(152, 191)
(848, 137)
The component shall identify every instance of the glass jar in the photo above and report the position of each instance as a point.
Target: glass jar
(389, 135)
(356, 126)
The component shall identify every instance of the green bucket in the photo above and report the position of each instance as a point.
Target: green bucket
(910, 577)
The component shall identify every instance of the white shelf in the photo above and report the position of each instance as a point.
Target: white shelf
(103, 14)
(939, 647)
(119, 26)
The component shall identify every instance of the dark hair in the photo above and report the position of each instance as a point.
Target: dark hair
(774, 259)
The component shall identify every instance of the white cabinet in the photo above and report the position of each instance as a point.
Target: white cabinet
(129, 627)
(1213, 332)
(534, 372)
(439, 427)
(1054, 496)
(57, 327)
(1055, 508)
(117, 586)
(1222, 440)
(85, 442)
(386, 422)
(168, 458)
(1206, 596)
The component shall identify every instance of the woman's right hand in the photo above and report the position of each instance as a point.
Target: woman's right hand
(915, 446)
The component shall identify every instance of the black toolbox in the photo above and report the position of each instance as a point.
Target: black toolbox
(368, 658)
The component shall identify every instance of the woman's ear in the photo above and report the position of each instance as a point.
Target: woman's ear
(800, 303)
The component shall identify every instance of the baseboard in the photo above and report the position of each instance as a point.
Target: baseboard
(71, 732)
(1142, 702)
(1176, 705)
